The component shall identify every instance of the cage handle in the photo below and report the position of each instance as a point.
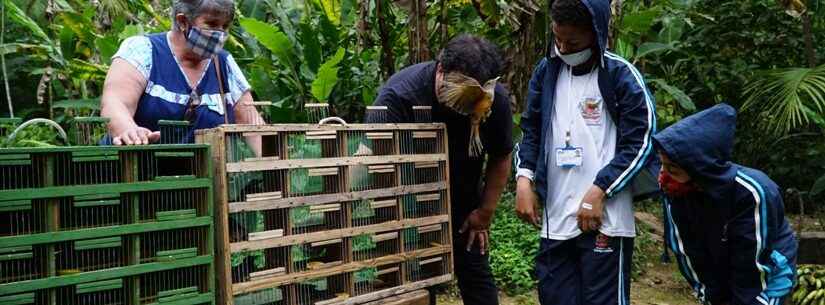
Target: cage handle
(333, 119)
(51, 123)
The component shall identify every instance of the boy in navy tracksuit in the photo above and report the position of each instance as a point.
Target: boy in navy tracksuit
(587, 130)
(727, 221)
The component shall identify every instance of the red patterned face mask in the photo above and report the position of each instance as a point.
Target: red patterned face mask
(675, 188)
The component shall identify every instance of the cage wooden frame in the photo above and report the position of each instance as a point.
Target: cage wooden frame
(130, 236)
(277, 158)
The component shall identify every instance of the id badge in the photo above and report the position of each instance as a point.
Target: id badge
(569, 157)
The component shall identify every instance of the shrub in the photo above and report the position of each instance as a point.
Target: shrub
(514, 245)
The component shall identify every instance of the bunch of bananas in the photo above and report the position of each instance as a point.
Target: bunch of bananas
(810, 290)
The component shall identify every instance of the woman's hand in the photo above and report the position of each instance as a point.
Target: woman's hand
(136, 136)
(121, 94)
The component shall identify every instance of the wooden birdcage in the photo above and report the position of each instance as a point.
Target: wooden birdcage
(329, 214)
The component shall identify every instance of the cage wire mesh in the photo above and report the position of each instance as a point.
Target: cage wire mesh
(316, 112)
(88, 131)
(169, 225)
(277, 212)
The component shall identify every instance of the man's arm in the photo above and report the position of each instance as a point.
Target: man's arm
(496, 175)
(478, 222)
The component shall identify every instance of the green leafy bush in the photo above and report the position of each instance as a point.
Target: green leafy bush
(514, 245)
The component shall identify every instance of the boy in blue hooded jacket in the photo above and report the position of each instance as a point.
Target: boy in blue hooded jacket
(727, 222)
(587, 129)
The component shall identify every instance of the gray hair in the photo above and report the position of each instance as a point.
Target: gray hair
(194, 8)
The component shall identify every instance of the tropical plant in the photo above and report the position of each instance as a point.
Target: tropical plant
(788, 99)
(514, 245)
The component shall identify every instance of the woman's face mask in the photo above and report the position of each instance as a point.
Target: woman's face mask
(207, 38)
(205, 43)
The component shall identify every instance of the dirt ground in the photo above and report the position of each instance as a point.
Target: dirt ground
(660, 285)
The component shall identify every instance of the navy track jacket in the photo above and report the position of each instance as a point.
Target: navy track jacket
(630, 104)
(731, 239)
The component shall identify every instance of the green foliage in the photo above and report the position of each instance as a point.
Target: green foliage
(303, 217)
(810, 290)
(366, 275)
(327, 77)
(362, 242)
(299, 147)
(788, 99)
(514, 246)
(270, 37)
(644, 251)
(362, 209)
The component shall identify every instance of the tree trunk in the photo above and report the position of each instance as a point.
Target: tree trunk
(387, 58)
(615, 19)
(445, 23)
(363, 26)
(522, 56)
(810, 52)
(418, 33)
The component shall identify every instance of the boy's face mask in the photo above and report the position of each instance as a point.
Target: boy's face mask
(575, 59)
(675, 188)
(467, 96)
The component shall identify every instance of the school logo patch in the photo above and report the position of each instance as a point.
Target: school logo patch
(602, 244)
(591, 111)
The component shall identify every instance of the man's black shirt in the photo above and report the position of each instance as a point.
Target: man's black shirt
(415, 86)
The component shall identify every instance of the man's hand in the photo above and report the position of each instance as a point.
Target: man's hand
(136, 136)
(591, 210)
(526, 202)
(478, 226)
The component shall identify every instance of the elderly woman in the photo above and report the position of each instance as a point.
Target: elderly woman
(173, 76)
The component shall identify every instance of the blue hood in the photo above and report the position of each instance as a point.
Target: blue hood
(702, 144)
(600, 12)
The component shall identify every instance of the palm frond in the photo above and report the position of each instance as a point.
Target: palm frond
(790, 98)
